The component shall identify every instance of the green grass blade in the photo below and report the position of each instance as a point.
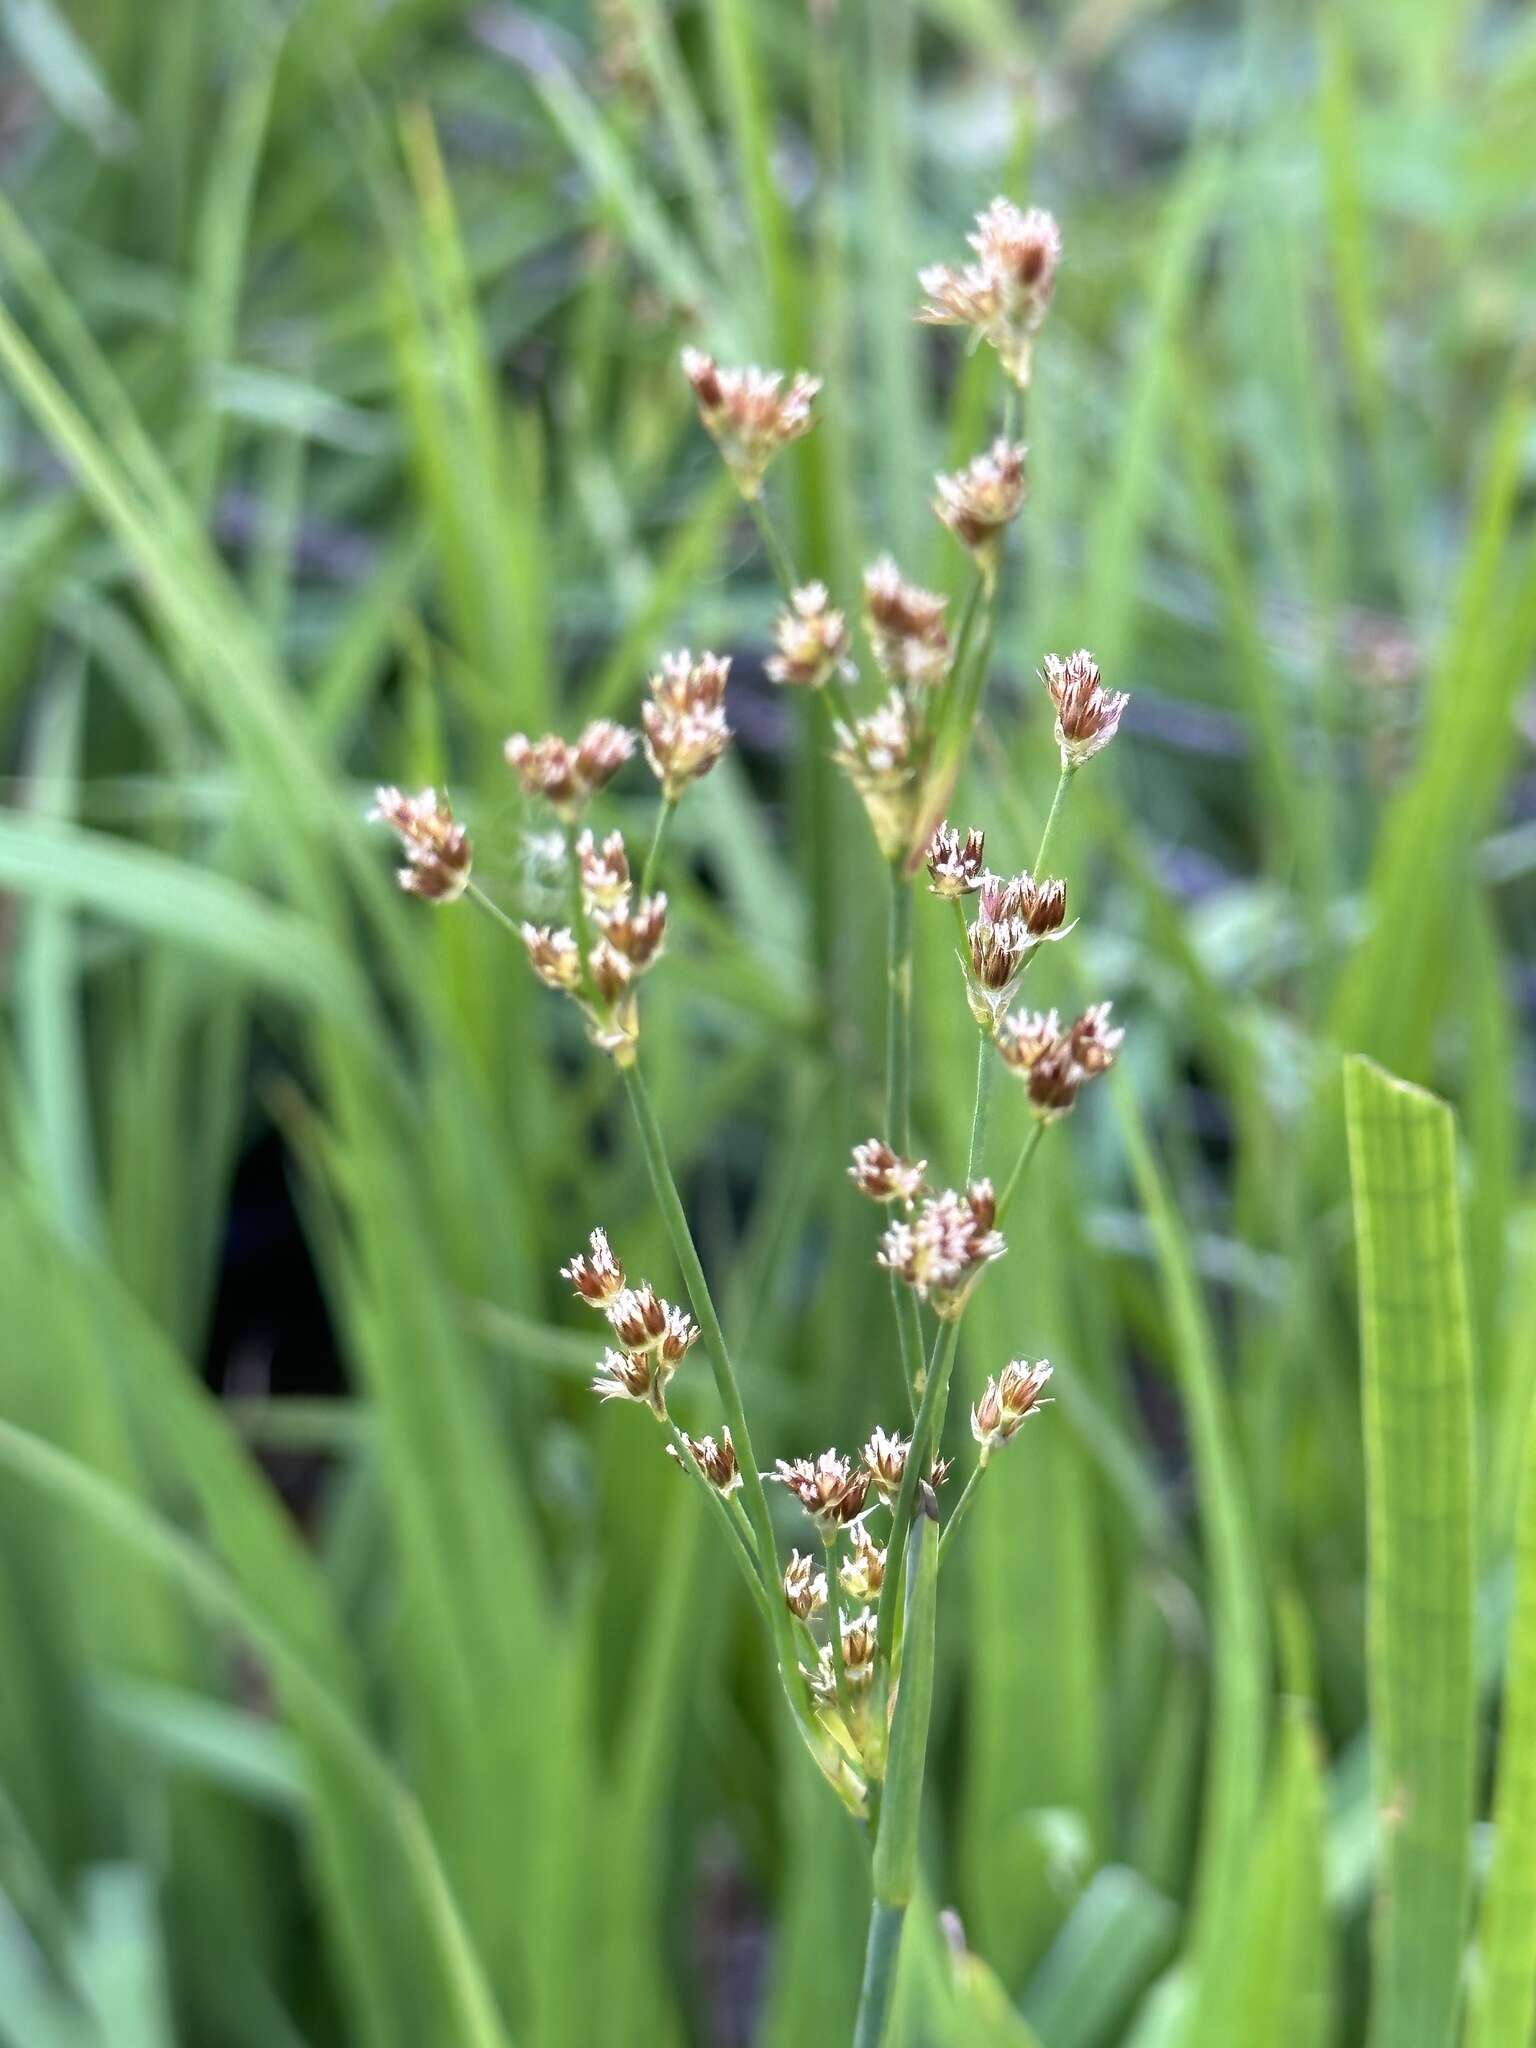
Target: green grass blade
(1417, 1395)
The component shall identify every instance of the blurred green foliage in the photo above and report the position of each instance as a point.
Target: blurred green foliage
(342, 434)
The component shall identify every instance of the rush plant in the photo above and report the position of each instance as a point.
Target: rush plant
(851, 1620)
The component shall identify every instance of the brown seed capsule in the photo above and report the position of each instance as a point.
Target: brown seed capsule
(1004, 295)
(749, 414)
(884, 1175)
(955, 865)
(1087, 715)
(717, 1461)
(805, 1588)
(553, 955)
(905, 626)
(943, 1251)
(831, 1489)
(1007, 1403)
(812, 641)
(437, 849)
(684, 719)
(978, 502)
(595, 1276)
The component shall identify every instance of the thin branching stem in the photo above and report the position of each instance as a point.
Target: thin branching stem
(982, 1104)
(1064, 783)
(835, 1628)
(721, 1508)
(658, 839)
(962, 1506)
(755, 1497)
(1027, 1152)
(773, 541)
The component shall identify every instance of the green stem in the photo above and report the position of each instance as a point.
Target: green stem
(885, 1925)
(926, 1431)
(962, 1506)
(1063, 784)
(486, 903)
(835, 1629)
(756, 1500)
(1026, 1153)
(898, 1015)
(773, 541)
(663, 822)
(985, 1066)
(721, 1507)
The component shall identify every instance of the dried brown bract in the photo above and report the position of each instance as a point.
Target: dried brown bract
(884, 1175)
(832, 1489)
(906, 627)
(438, 855)
(1004, 295)
(812, 641)
(943, 1251)
(1087, 715)
(750, 414)
(1007, 1403)
(684, 719)
(956, 866)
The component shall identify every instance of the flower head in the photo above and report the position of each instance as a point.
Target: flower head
(717, 1461)
(979, 501)
(749, 414)
(812, 640)
(566, 775)
(885, 1459)
(636, 932)
(596, 1276)
(905, 626)
(805, 1588)
(879, 756)
(1055, 1063)
(604, 871)
(553, 954)
(862, 1574)
(1087, 715)
(884, 1175)
(437, 849)
(1007, 1403)
(637, 1376)
(684, 719)
(1005, 294)
(955, 865)
(637, 1317)
(832, 1489)
(942, 1252)
(1013, 916)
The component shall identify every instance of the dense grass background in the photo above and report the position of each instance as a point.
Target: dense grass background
(360, 1681)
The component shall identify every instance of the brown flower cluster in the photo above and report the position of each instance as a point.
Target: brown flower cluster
(979, 501)
(884, 1175)
(812, 641)
(437, 849)
(944, 1249)
(1013, 917)
(1087, 715)
(716, 1461)
(956, 866)
(1054, 1063)
(1007, 1402)
(880, 756)
(1004, 295)
(906, 627)
(684, 719)
(832, 1489)
(750, 414)
(653, 1336)
(623, 935)
(566, 774)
